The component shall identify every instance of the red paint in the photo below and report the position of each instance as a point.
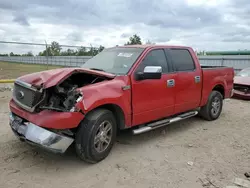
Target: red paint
(52, 77)
(242, 81)
(187, 92)
(152, 100)
(108, 92)
(241, 95)
(49, 119)
(145, 101)
(214, 77)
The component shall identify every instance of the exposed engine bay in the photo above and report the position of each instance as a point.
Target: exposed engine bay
(64, 96)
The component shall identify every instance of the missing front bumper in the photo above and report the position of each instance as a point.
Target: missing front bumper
(39, 136)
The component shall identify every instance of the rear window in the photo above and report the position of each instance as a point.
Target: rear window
(182, 60)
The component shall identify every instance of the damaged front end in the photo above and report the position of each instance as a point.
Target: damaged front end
(40, 115)
(36, 135)
(61, 97)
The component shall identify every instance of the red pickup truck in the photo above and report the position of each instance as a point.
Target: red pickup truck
(141, 87)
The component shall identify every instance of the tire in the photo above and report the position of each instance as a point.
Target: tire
(93, 128)
(209, 112)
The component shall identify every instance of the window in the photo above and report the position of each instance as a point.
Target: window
(117, 60)
(182, 60)
(155, 58)
(244, 73)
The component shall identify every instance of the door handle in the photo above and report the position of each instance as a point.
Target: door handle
(197, 79)
(171, 83)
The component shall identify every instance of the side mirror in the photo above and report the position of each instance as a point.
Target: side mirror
(150, 72)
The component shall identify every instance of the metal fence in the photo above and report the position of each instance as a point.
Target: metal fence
(238, 62)
(69, 61)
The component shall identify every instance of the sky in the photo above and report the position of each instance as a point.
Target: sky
(201, 24)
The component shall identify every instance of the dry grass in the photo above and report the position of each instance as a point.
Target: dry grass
(15, 70)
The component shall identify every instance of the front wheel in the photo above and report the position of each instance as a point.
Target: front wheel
(212, 110)
(96, 136)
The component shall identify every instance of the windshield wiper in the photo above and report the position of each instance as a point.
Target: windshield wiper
(98, 69)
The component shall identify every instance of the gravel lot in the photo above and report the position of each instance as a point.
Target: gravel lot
(184, 154)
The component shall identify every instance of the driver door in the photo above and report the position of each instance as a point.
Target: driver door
(153, 99)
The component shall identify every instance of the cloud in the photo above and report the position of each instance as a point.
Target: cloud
(125, 35)
(202, 24)
(21, 19)
(74, 36)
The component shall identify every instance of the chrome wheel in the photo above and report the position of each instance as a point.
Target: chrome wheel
(103, 136)
(216, 104)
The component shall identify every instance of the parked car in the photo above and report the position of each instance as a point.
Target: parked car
(242, 84)
(137, 87)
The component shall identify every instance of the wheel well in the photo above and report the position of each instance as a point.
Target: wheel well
(220, 89)
(118, 114)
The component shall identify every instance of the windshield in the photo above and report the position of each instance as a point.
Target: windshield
(115, 60)
(244, 73)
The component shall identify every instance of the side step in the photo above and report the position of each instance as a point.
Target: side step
(164, 122)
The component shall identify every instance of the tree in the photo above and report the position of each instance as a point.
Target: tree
(12, 54)
(55, 48)
(135, 39)
(44, 52)
(81, 51)
(68, 52)
(28, 54)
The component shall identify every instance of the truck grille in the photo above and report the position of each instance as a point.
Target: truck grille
(242, 88)
(26, 96)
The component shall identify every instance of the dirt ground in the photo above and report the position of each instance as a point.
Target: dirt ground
(184, 154)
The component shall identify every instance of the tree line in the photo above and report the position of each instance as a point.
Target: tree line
(55, 49)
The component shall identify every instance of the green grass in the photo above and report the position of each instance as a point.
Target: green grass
(15, 70)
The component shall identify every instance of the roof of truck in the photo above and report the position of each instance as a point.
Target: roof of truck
(152, 45)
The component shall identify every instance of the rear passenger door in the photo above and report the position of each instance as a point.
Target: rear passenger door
(188, 81)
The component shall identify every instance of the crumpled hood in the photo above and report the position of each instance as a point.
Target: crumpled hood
(52, 77)
(242, 80)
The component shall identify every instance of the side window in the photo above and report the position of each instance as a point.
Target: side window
(155, 58)
(182, 60)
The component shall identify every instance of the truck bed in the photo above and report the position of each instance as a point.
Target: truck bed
(211, 67)
(216, 75)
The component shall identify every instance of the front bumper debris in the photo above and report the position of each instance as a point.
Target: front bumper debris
(231, 93)
(241, 95)
(38, 136)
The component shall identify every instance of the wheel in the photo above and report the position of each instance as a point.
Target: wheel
(96, 136)
(212, 110)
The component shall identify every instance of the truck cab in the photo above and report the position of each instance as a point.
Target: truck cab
(178, 88)
(137, 87)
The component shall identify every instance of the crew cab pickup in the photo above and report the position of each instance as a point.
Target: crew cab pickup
(136, 87)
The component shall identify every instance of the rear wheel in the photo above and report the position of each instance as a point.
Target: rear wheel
(212, 110)
(96, 136)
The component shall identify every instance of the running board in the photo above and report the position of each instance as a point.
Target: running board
(164, 122)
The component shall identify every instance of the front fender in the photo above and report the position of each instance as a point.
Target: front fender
(107, 92)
